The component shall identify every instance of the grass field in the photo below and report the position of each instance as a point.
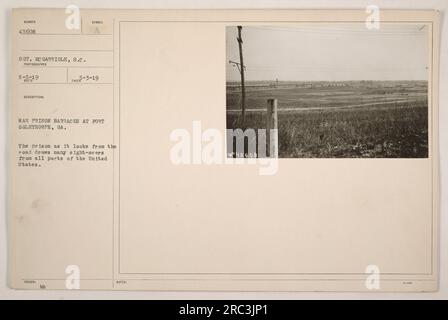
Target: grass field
(345, 120)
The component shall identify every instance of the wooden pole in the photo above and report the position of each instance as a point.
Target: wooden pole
(271, 124)
(243, 88)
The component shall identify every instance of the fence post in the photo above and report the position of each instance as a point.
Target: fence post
(271, 124)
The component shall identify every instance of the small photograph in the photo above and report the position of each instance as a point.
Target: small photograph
(327, 91)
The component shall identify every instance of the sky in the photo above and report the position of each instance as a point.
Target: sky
(330, 52)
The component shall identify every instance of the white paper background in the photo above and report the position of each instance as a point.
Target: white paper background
(6, 5)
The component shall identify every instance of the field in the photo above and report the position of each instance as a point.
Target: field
(373, 119)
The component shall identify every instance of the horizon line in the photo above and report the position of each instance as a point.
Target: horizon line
(273, 80)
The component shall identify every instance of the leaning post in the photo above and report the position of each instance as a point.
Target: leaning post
(271, 129)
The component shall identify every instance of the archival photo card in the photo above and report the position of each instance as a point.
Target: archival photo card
(338, 90)
(224, 150)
